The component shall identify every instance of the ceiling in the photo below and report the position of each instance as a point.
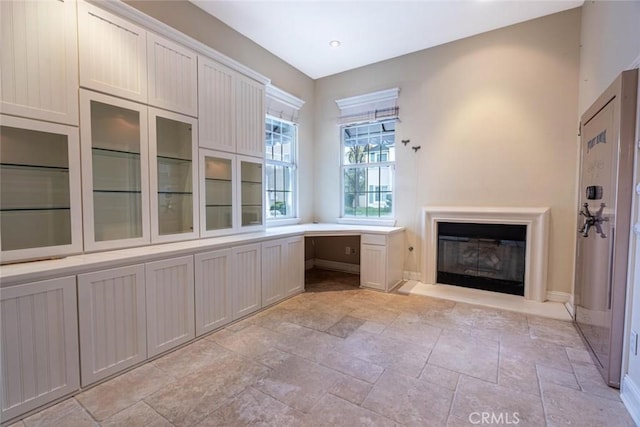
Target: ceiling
(370, 31)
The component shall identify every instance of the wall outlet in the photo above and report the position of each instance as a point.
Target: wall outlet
(633, 344)
(347, 250)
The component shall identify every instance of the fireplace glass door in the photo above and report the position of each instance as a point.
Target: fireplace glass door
(482, 256)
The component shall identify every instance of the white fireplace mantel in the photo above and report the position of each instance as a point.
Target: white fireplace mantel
(535, 218)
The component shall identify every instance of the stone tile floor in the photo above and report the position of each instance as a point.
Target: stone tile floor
(341, 356)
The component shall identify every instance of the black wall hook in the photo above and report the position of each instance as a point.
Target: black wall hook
(406, 141)
(416, 148)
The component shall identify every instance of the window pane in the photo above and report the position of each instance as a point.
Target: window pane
(368, 143)
(280, 138)
(368, 191)
(279, 191)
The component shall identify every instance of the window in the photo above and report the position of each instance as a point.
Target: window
(281, 147)
(368, 163)
(280, 154)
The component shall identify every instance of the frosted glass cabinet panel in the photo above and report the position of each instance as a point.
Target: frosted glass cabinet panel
(115, 172)
(217, 189)
(173, 152)
(40, 211)
(251, 192)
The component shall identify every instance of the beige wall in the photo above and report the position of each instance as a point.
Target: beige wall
(194, 22)
(610, 42)
(495, 115)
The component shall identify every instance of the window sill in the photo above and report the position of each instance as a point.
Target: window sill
(391, 222)
(282, 222)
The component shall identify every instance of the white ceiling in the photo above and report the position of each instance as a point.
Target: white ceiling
(370, 31)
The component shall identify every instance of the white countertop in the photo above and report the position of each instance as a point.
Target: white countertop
(25, 272)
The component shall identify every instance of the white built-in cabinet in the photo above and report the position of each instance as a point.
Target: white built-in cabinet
(216, 105)
(231, 110)
(282, 269)
(214, 274)
(250, 115)
(173, 176)
(39, 60)
(39, 347)
(247, 285)
(170, 303)
(115, 172)
(251, 197)
(381, 262)
(123, 59)
(294, 266)
(172, 76)
(112, 315)
(218, 189)
(113, 53)
(40, 202)
(232, 196)
(273, 271)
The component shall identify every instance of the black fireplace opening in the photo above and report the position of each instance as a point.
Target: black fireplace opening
(482, 256)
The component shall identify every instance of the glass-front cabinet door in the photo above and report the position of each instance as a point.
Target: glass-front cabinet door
(40, 208)
(251, 197)
(115, 172)
(173, 175)
(217, 193)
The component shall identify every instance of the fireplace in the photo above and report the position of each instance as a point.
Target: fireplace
(534, 219)
(482, 256)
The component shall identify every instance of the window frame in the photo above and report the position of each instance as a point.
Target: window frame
(294, 218)
(374, 220)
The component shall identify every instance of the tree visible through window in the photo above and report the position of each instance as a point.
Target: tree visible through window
(280, 147)
(368, 160)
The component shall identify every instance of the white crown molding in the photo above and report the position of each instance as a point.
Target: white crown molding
(283, 97)
(368, 98)
(152, 24)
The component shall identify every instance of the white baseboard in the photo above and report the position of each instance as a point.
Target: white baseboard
(630, 395)
(337, 266)
(556, 296)
(411, 275)
(309, 263)
(564, 298)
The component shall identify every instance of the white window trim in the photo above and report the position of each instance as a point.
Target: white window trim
(283, 106)
(362, 109)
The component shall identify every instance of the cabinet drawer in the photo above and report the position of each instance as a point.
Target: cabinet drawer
(373, 239)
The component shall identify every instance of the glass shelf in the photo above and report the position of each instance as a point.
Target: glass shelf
(218, 197)
(117, 215)
(174, 162)
(35, 228)
(251, 193)
(35, 195)
(219, 217)
(116, 163)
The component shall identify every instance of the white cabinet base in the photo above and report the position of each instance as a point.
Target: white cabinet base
(381, 260)
(170, 304)
(39, 356)
(111, 309)
(214, 279)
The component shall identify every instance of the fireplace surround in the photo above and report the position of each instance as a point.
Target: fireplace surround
(536, 220)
